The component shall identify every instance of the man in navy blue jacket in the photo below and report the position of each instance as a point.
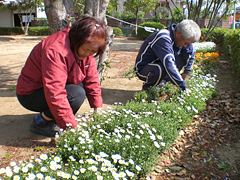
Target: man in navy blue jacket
(164, 53)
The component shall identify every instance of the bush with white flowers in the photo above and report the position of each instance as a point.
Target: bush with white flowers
(119, 143)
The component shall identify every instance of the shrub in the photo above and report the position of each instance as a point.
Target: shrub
(33, 31)
(42, 21)
(217, 35)
(143, 34)
(11, 30)
(119, 143)
(36, 31)
(117, 31)
(232, 41)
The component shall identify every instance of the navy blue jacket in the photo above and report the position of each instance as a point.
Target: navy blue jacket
(160, 48)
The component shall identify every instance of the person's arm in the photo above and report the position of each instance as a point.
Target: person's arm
(191, 57)
(54, 75)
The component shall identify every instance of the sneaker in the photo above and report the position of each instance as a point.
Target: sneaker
(49, 129)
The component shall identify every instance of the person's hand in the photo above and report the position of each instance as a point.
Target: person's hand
(184, 76)
(96, 110)
(188, 90)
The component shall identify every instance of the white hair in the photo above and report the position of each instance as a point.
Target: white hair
(189, 29)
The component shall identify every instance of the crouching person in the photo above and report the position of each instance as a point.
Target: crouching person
(59, 73)
(165, 52)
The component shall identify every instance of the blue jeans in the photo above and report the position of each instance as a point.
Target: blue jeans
(37, 102)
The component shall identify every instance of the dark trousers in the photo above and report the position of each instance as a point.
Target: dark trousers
(152, 74)
(37, 101)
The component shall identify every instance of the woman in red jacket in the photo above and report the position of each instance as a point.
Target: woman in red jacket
(58, 74)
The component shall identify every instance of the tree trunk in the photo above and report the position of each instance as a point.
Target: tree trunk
(56, 11)
(212, 7)
(97, 8)
(24, 29)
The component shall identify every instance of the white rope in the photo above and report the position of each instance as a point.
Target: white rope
(148, 29)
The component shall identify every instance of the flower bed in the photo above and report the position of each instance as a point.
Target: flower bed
(119, 143)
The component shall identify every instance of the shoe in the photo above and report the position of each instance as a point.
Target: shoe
(50, 129)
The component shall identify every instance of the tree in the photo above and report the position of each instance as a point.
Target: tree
(59, 12)
(23, 7)
(136, 6)
(200, 10)
(162, 12)
(212, 8)
(177, 14)
(112, 6)
(97, 8)
(79, 7)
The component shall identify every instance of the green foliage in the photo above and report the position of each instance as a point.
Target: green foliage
(203, 13)
(121, 142)
(38, 31)
(228, 42)
(9, 153)
(106, 64)
(196, 70)
(217, 35)
(141, 15)
(13, 88)
(38, 149)
(79, 6)
(117, 14)
(142, 34)
(33, 31)
(223, 166)
(162, 12)
(140, 96)
(10, 30)
(128, 15)
(232, 42)
(117, 31)
(112, 6)
(153, 93)
(169, 21)
(169, 89)
(130, 72)
(135, 6)
(177, 15)
(21, 5)
(42, 21)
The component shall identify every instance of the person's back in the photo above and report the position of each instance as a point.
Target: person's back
(146, 53)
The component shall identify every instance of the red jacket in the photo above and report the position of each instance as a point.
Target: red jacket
(52, 65)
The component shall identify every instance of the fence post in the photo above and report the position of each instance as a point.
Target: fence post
(126, 31)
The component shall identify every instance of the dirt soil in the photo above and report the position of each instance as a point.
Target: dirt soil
(209, 148)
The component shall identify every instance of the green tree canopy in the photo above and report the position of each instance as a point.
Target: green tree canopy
(137, 6)
(200, 10)
(22, 7)
(112, 6)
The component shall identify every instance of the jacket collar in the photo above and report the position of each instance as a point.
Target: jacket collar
(171, 29)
